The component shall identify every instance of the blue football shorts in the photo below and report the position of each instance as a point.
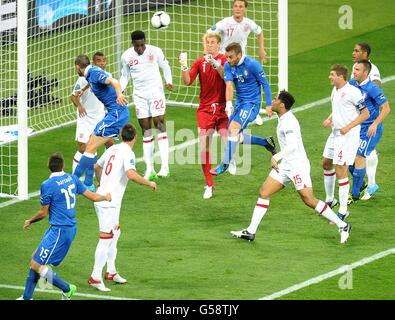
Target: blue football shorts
(244, 113)
(112, 123)
(55, 245)
(368, 144)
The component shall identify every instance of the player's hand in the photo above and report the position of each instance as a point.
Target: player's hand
(169, 86)
(153, 186)
(122, 100)
(327, 123)
(275, 164)
(372, 130)
(209, 58)
(26, 225)
(183, 58)
(108, 197)
(81, 111)
(344, 130)
(229, 108)
(269, 111)
(263, 56)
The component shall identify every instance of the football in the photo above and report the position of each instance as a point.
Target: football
(160, 20)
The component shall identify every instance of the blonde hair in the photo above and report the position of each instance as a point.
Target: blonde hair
(212, 35)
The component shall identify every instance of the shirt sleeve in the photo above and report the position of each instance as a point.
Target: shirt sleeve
(45, 194)
(227, 72)
(81, 83)
(374, 74)
(80, 187)
(359, 100)
(261, 78)
(377, 94)
(100, 162)
(164, 64)
(254, 27)
(129, 161)
(125, 74)
(218, 27)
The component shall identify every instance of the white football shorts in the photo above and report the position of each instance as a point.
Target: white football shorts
(85, 127)
(342, 149)
(299, 176)
(153, 106)
(108, 218)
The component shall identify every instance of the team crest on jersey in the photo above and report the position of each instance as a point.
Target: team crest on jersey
(343, 94)
(151, 57)
(245, 28)
(245, 72)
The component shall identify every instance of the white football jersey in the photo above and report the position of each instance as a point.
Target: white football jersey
(289, 137)
(115, 161)
(374, 74)
(347, 104)
(233, 31)
(144, 70)
(94, 108)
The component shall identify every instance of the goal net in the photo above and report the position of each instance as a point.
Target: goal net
(58, 31)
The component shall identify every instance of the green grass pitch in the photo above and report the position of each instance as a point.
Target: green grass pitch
(175, 245)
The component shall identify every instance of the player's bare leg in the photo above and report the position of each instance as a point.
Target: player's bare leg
(148, 148)
(269, 187)
(163, 143)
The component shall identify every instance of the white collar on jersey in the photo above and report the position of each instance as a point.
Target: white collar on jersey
(57, 174)
(243, 56)
(87, 69)
(364, 81)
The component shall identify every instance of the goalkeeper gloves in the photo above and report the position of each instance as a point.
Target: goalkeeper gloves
(229, 108)
(209, 58)
(184, 61)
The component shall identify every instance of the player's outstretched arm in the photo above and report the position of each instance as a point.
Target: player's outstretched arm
(135, 177)
(262, 52)
(41, 214)
(121, 98)
(95, 197)
(365, 114)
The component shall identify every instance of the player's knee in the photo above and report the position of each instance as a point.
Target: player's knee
(263, 194)
(327, 164)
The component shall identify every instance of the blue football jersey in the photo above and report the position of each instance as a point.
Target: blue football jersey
(105, 93)
(248, 78)
(374, 98)
(59, 192)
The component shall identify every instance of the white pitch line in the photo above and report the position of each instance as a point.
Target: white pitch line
(86, 295)
(194, 141)
(328, 275)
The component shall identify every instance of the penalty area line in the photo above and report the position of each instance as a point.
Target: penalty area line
(328, 275)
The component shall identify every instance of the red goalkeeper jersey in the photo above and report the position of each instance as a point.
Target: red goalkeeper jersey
(212, 86)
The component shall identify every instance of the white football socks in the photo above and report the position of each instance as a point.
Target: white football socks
(329, 183)
(259, 211)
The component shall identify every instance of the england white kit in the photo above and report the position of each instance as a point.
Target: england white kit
(148, 95)
(294, 166)
(115, 161)
(233, 31)
(95, 111)
(347, 104)
(374, 74)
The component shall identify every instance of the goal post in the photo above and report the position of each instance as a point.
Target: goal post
(41, 38)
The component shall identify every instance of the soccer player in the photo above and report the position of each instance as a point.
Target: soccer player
(294, 167)
(247, 76)
(360, 52)
(108, 91)
(348, 112)
(89, 110)
(371, 129)
(141, 63)
(236, 29)
(113, 170)
(210, 113)
(58, 200)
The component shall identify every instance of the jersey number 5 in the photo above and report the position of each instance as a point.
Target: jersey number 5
(108, 168)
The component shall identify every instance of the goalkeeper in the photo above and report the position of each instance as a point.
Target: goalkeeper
(247, 76)
(210, 113)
